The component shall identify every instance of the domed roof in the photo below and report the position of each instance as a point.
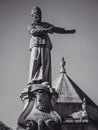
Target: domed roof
(67, 90)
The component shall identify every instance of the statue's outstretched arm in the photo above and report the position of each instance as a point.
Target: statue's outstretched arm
(62, 30)
(38, 30)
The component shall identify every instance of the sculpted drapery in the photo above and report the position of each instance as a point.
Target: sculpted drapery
(40, 48)
(38, 113)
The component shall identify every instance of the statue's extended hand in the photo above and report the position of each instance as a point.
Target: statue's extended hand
(72, 31)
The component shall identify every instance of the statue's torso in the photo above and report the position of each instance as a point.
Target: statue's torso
(42, 39)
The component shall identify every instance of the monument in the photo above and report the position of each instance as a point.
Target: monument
(40, 47)
(38, 113)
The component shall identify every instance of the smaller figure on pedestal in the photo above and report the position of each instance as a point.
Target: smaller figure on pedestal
(38, 113)
(40, 47)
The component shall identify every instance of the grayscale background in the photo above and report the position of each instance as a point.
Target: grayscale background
(80, 50)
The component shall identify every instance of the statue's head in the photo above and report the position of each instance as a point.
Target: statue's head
(36, 14)
(40, 91)
(42, 96)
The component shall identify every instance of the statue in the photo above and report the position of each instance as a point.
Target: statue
(40, 47)
(39, 96)
(39, 114)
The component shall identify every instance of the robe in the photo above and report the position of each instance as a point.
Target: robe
(40, 49)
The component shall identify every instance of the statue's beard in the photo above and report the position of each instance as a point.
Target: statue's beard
(36, 21)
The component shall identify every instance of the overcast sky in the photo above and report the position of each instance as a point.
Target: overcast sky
(80, 50)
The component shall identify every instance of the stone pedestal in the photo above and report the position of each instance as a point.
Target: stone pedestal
(38, 113)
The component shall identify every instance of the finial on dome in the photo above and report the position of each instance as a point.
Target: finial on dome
(62, 65)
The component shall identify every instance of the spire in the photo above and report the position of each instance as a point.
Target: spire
(64, 88)
(62, 65)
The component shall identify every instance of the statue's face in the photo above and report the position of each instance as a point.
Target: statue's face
(42, 100)
(36, 17)
(42, 96)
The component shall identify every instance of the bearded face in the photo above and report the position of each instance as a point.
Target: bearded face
(36, 14)
(36, 18)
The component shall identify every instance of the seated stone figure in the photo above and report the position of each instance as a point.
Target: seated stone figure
(39, 113)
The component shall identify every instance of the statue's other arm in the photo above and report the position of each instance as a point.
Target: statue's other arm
(38, 30)
(62, 30)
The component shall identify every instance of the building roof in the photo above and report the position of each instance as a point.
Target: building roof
(67, 90)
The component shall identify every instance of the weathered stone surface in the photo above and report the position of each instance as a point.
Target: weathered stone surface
(72, 109)
(38, 111)
(40, 47)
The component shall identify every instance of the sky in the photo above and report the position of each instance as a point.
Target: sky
(80, 50)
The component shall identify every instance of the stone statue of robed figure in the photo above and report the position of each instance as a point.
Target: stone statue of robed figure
(40, 47)
(38, 97)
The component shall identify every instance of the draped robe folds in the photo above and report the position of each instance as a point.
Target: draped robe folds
(40, 59)
(40, 65)
(40, 47)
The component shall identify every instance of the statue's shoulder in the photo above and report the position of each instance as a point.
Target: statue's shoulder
(46, 24)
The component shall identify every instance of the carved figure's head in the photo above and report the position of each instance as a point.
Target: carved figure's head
(42, 96)
(36, 14)
(42, 100)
